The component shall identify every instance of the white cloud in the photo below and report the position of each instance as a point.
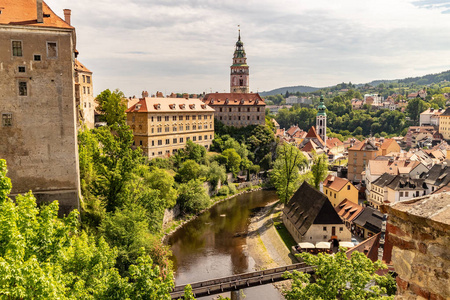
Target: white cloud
(187, 45)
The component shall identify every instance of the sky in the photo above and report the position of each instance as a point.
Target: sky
(187, 45)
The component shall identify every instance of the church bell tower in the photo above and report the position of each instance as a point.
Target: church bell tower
(239, 78)
(321, 121)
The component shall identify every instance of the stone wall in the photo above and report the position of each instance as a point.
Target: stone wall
(419, 232)
(171, 214)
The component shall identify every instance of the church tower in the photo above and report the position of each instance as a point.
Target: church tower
(321, 121)
(239, 78)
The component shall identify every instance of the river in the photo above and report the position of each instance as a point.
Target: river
(215, 244)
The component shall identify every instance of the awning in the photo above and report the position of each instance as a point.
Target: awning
(307, 245)
(323, 245)
(346, 244)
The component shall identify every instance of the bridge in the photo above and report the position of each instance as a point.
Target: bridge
(239, 281)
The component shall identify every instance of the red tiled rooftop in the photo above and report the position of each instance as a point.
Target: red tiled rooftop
(234, 99)
(24, 12)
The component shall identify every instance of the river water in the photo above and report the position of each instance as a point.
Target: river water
(215, 244)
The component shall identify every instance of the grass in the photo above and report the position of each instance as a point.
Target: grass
(285, 235)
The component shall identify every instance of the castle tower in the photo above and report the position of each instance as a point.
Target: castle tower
(239, 77)
(321, 121)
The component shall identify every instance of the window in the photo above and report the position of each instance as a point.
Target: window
(326, 192)
(199, 117)
(229, 118)
(181, 140)
(167, 141)
(89, 90)
(88, 79)
(194, 127)
(84, 79)
(348, 187)
(258, 110)
(159, 129)
(159, 152)
(158, 118)
(159, 142)
(84, 90)
(17, 48)
(335, 195)
(37, 57)
(188, 127)
(206, 137)
(167, 129)
(7, 120)
(406, 194)
(239, 109)
(210, 136)
(229, 109)
(140, 143)
(194, 138)
(153, 143)
(181, 127)
(166, 118)
(85, 106)
(199, 137)
(200, 126)
(180, 118)
(220, 118)
(21, 69)
(187, 118)
(175, 141)
(188, 138)
(193, 117)
(324, 228)
(248, 117)
(52, 50)
(174, 128)
(153, 153)
(23, 88)
(248, 108)
(257, 118)
(220, 109)
(174, 118)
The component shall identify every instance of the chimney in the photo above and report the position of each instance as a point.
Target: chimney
(67, 13)
(40, 14)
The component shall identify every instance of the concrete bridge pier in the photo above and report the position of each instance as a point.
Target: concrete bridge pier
(237, 295)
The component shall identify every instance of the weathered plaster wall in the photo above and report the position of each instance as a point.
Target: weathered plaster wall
(40, 147)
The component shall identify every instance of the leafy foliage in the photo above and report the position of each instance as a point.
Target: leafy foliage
(319, 170)
(337, 277)
(285, 175)
(112, 106)
(192, 196)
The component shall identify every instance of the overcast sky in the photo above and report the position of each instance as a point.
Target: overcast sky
(187, 45)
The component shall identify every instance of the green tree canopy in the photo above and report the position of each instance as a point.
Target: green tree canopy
(337, 277)
(319, 170)
(192, 196)
(233, 160)
(113, 107)
(285, 175)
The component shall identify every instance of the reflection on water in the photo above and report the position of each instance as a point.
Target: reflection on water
(214, 244)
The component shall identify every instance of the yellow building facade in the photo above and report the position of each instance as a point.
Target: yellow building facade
(162, 126)
(444, 124)
(338, 189)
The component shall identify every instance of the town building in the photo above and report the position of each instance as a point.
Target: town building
(444, 124)
(237, 109)
(367, 223)
(162, 126)
(337, 189)
(348, 211)
(84, 95)
(430, 117)
(310, 217)
(378, 190)
(373, 99)
(358, 156)
(37, 102)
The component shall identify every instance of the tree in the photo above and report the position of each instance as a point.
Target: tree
(194, 152)
(112, 106)
(337, 277)
(415, 107)
(44, 257)
(192, 196)
(233, 160)
(189, 170)
(285, 174)
(319, 170)
(216, 173)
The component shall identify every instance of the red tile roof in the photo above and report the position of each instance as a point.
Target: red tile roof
(309, 147)
(24, 12)
(235, 99)
(80, 67)
(313, 134)
(335, 183)
(334, 142)
(348, 210)
(387, 143)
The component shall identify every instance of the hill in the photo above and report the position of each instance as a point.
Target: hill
(290, 89)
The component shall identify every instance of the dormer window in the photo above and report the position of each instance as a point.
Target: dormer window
(192, 106)
(226, 101)
(242, 101)
(172, 106)
(256, 101)
(182, 106)
(203, 106)
(137, 107)
(157, 106)
(212, 101)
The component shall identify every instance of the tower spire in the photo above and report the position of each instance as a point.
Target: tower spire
(239, 69)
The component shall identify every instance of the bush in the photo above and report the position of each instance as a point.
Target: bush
(223, 191)
(232, 188)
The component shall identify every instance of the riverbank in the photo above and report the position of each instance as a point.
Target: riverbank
(173, 226)
(265, 245)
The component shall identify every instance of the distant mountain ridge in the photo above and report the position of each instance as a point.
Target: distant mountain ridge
(420, 80)
(291, 90)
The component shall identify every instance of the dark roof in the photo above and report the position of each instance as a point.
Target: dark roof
(384, 180)
(405, 183)
(370, 219)
(446, 112)
(438, 175)
(309, 206)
